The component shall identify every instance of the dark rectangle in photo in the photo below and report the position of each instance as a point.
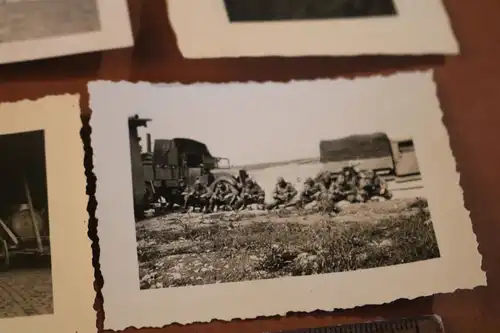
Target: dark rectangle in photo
(25, 267)
(279, 10)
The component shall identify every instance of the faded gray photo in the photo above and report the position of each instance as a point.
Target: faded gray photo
(25, 267)
(278, 10)
(23, 20)
(259, 186)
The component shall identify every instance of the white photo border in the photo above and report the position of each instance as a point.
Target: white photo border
(125, 305)
(71, 254)
(203, 30)
(115, 32)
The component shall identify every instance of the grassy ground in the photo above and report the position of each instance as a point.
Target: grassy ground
(197, 250)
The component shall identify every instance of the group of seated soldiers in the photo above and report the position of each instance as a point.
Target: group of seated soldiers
(225, 196)
(351, 185)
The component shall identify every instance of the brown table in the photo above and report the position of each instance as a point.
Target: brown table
(468, 86)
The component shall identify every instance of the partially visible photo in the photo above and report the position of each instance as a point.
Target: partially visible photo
(33, 19)
(279, 10)
(25, 265)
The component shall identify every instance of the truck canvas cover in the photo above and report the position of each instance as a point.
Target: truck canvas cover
(169, 152)
(372, 151)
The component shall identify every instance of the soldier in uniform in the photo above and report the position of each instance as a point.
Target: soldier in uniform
(365, 187)
(252, 193)
(206, 174)
(198, 196)
(283, 194)
(378, 187)
(241, 179)
(223, 196)
(325, 186)
(351, 174)
(345, 189)
(311, 192)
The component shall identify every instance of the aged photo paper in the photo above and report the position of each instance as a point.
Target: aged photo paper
(250, 28)
(46, 273)
(241, 200)
(37, 29)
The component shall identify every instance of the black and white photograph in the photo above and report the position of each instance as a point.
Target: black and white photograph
(35, 29)
(46, 272)
(292, 28)
(25, 273)
(360, 203)
(276, 10)
(253, 191)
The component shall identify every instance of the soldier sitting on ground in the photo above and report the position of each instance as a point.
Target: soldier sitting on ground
(283, 194)
(365, 187)
(310, 193)
(325, 186)
(378, 189)
(223, 196)
(241, 179)
(207, 175)
(252, 193)
(351, 174)
(345, 190)
(178, 201)
(198, 196)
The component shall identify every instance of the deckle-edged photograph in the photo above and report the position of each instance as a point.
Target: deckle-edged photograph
(45, 254)
(36, 29)
(241, 192)
(351, 27)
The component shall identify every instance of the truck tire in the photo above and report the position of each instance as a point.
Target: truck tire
(228, 179)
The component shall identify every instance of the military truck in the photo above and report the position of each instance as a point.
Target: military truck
(392, 158)
(168, 165)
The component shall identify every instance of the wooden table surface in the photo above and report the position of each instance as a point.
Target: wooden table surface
(468, 86)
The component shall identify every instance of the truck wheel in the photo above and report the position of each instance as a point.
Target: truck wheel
(4, 255)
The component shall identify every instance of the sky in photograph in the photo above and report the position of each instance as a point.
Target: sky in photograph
(257, 123)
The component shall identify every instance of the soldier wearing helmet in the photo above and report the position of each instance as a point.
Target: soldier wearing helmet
(283, 194)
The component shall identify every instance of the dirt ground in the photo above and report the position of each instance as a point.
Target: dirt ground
(195, 249)
(25, 292)
(25, 20)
